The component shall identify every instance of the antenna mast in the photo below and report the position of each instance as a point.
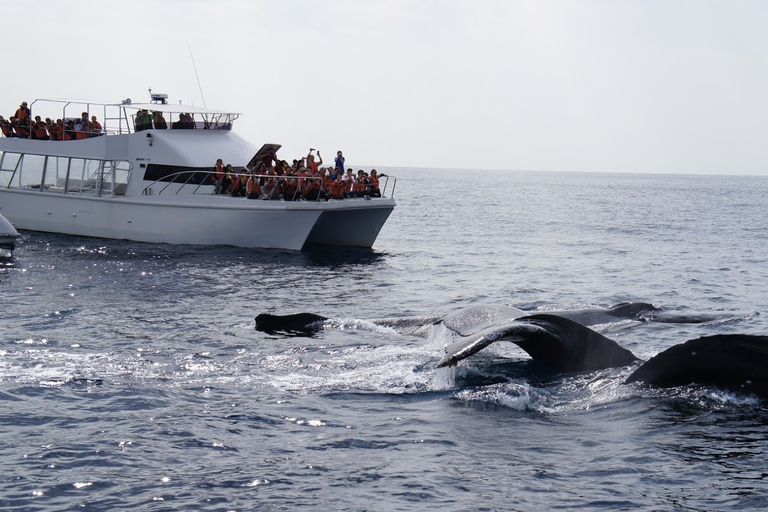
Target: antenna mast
(196, 75)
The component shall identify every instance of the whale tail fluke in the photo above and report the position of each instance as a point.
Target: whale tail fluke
(561, 343)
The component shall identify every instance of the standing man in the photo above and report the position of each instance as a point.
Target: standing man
(339, 162)
(23, 114)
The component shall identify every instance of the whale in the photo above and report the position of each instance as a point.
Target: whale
(562, 341)
(735, 362)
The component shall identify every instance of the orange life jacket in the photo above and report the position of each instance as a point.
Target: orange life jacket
(337, 188)
(6, 130)
(41, 132)
(22, 114)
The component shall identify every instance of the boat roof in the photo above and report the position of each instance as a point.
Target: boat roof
(128, 104)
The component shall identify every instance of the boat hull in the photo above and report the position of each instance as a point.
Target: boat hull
(351, 227)
(209, 220)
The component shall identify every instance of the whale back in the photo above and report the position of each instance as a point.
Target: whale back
(732, 361)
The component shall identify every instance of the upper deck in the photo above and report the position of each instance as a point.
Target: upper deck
(128, 117)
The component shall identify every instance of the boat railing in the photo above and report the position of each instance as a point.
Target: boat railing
(206, 182)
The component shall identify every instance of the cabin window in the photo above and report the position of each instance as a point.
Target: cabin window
(122, 173)
(8, 164)
(178, 174)
(55, 179)
(85, 176)
(29, 173)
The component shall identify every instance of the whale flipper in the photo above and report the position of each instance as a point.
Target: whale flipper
(561, 343)
(733, 361)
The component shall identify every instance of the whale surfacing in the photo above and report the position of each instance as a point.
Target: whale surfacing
(732, 361)
(559, 342)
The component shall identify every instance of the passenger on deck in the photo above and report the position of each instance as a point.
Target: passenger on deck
(290, 185)
(57, 130)
(23, 113)
(69, 131)
(270, 190)
(160, 122)
(143, 121)
(5, 126)
(311, 164)
(374, 190)
(235, 188)
(40, 130)
(20, 129)
(339, 161)
(95, 127)
(252, 187)
(269, 159)
(218, 177)
(338, 187)
(189, 121)
(313, 189)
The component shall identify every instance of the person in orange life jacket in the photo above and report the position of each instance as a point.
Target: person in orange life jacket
(312, 166)
(39, 129)
(235, 188)
(5, 126)
(95, 127)
(349, 180)
(290, 185)
(327, 181)
(375, 191)
(23, 113)
(21, 129)
(252, 185)
(357, 183)
(269, 188)
(338, 187)
(313, 190)
(57, 130)
(217, 177)
(69, 131)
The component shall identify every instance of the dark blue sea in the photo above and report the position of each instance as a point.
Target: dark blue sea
(132, 377)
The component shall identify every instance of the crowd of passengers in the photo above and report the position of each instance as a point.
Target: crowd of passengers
(22, 125)
(272, 178)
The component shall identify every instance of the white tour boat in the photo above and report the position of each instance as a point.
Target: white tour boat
(141, 181)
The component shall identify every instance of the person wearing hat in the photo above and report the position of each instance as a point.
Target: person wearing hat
(23, 113)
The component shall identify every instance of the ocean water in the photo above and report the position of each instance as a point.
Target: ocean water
(132, 378)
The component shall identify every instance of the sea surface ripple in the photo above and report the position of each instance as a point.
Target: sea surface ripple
(132, 378)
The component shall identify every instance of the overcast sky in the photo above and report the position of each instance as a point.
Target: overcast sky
(662, 86)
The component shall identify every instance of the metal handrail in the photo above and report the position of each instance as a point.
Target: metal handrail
(209, 180)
